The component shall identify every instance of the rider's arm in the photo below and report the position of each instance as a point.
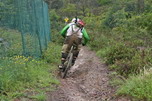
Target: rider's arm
(85, 36)
(64, 30)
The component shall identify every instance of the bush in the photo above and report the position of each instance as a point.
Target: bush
(104, 2)
(130, 61)
(138, 87)
(54, 18)
(53, 53)
(103, 52)
(143, 21)
(119, 51)
(19, 73)
(56, 37)
(116, 17)
(13, 38)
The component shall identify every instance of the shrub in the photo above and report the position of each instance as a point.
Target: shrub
(138, 86)
(116, 17)
(54, 18)
(103, 51)
(104, 2)
(53, 53)
(56, 37)
(126, 66)
(143, 21)
(19, 73)
(13, 38)
(119, 51)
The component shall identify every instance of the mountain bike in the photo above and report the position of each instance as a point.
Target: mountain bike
(68, 63)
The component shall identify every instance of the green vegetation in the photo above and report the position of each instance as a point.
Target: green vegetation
(138, 86)
(31, 19)
(10, 46)
(39, 97)
(120, 32)
(24, 34)
(20, 75)
(53, 54)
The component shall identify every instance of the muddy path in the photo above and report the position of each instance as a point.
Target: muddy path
(88, 80)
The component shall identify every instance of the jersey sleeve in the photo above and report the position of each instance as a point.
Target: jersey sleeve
(85, 36)
(64, 30)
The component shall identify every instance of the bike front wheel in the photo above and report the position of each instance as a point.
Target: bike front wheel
(69, 64)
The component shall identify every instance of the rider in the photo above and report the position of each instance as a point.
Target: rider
(73, 33)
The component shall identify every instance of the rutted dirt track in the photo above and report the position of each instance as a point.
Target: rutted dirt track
(88, 80)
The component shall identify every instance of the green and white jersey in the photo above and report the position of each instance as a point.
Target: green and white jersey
(73, 29)
(84, 34)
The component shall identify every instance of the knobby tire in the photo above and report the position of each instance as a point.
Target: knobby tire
(68, 65)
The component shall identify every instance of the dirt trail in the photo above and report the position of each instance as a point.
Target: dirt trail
(88, 80)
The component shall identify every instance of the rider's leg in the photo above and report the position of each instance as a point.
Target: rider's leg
(63, 55)
(76, 53)
(65, 49)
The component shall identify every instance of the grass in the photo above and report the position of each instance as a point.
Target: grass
(13, 42)
(127, 50)
(39, 97)
(139, 87)
(53, 53)
(19, 73)
(26, 77)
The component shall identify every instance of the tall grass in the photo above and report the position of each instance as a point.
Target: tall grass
(20, 75)
(138, 86)
(53, 53)
(14, 42)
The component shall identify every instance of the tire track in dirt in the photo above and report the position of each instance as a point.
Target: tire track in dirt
(88, 80)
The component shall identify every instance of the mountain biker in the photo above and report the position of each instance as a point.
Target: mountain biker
(73, 33)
